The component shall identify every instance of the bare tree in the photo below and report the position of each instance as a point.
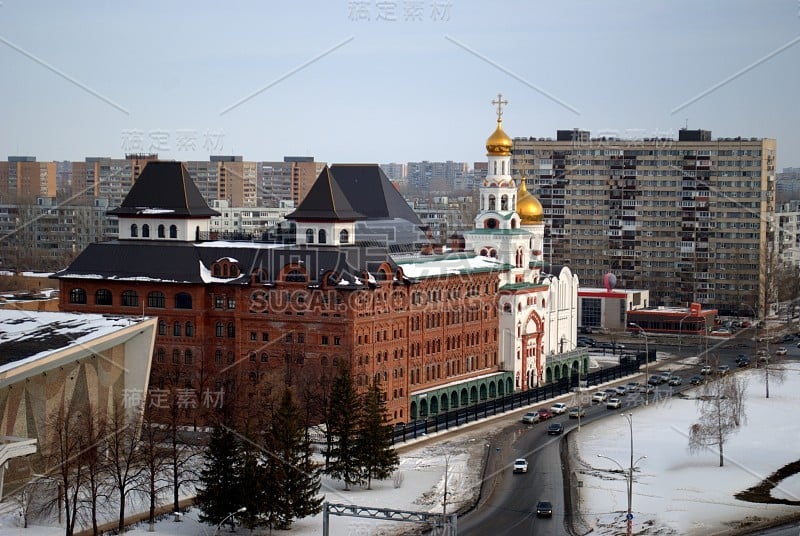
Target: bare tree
(93, 428)
(722, 411)
(155, 460)
(62, 451)
(123, 459)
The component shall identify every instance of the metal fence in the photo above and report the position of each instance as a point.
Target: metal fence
(512, 401)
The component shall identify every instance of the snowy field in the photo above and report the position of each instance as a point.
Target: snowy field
(674, 492)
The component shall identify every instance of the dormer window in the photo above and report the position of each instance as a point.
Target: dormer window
(161, 233)
(323, 236)
(145, 231)
(226, 268)
(344, 236)
(309, 236)
(173, 231)
(134, 230)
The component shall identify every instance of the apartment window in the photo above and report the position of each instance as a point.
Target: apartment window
(324, 339)
(189, 329)
(176, 329)
(219, 302)
(187, 357)
(218, 357)
(337, 341)
(102, 297)
(77, 295)
(176, 357)
(161, 355)
(156, 299)
(231, 330)
(252, 335)
(231, 303)
(162, 327)
(265, 336)
(220, 329)
(130, 298)
(183, 300)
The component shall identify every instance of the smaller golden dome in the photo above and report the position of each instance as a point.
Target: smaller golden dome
(528, 207)
(499, 144)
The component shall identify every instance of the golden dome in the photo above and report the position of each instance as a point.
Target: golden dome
(499, 144)
(528, 207)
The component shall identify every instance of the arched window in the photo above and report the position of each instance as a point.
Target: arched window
(102, 297)
(162, 327)
(77, 295)
(145, 231)
(295, 276)
(176, 329)
(161, 355)
(176, 357)
(173, 231)
(309, 236)
(156, 299)
(220, 329)
(161, 233)
(187, 357)
(492, 202)
(218, 357)
(189, 329)
(134, 230)
(130, 298)
(504, 202)
(183, 300)
(323, 236)
(231, 330)
(344, 236)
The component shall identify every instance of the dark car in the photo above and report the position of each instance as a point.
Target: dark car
(555, 428)
(544, 509)
(696, 380)
(743, 362)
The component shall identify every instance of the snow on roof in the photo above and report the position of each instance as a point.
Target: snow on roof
(26, 336)
(450, 266)
(205, 275)
(156, 211)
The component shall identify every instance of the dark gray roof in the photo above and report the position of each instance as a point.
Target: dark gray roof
(325, 201)
(164, 189)
(365, 188)
(180, 262)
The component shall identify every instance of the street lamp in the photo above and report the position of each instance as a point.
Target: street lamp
(629, 517)
(227, 517)
(680, 331)
(646, 359)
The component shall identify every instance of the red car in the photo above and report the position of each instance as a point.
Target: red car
(545, 413)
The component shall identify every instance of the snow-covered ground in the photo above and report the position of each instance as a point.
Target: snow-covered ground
(674, 492)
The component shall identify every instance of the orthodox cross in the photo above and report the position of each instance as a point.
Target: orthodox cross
(499, 102)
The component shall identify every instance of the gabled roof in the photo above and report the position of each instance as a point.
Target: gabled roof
(366, 190)
(166, 190)
(325, 201)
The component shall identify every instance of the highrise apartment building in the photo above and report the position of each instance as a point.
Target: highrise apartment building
(286, 180)
(23, 179)
(691, 219)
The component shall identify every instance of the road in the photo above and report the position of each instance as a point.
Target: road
(507, 505)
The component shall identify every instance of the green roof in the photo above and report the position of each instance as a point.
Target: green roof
(521, 286)
(499, 231)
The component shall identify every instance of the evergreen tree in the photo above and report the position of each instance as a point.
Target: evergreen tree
(254, 486)
(344, 420)
(297, 493)
(374, 447)
(219, 491)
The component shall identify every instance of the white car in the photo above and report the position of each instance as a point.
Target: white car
(781, 351)
(532, 417)
(558, 408)
(599, 397)
(520, 465)
(614, 403)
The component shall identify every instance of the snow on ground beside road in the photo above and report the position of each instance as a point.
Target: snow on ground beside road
(680, 493)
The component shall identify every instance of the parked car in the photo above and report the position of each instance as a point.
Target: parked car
(574, 413)
(762, 356)
(532, 417)
(544, 509)
(788, 337)
(705, 369)
(723, 369)
(621, 390)
(520, 465)
(674, 380)
(696, 380)
(614, 403)
(558, 408)
(555, 428)
(585, 329)
(781, 351)
(599, 396)
(745, 362)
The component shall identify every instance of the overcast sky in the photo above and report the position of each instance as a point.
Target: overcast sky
(382, 81)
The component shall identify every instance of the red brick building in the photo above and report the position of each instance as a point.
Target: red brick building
(231, 314)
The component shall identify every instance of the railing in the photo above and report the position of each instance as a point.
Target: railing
(480, 410)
